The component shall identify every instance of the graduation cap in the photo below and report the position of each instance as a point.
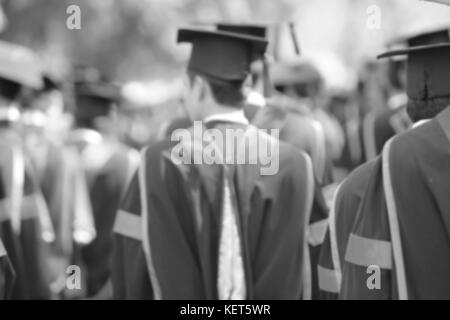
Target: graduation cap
(297, 71)
(20, 65)
(94, 99)
(445, 2)
(256, 31)
(221, 55)
(101, 90)
(428, 67)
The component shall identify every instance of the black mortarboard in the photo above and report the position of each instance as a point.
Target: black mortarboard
(94, 99)
(254, 30)
(428, 67)
(298, 71)
(221, 55)
(248, 29)
(101, 90)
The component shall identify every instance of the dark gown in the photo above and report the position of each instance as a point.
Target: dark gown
(401, 221)
(106, 183)
(63, 184)
(26, 229)
(7, 273)
(379, 127)
(300, 131)
(170, 248)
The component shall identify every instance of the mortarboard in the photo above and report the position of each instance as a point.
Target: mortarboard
(428, 67)
(101, 90)
(95, 99)
(445, 2)
(298, 71)
(19, 64)
(221, 55)
(254, 30)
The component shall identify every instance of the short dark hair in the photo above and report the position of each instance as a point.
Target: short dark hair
(225, 92)
(9, 89)
(426, 109)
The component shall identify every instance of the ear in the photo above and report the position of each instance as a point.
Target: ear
(195, 85)
(203, 88)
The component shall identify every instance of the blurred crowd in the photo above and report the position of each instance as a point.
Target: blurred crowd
(69, 148)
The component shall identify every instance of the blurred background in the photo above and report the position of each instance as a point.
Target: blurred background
(134, 43)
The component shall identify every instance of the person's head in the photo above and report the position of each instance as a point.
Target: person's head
(396, 73)
(96, 106)
(202, 95)
(218, 68)
(19, 69)
(299, 79)
(95, 113)
(428, 73)
(426, 109)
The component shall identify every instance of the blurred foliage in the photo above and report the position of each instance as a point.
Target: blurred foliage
(135, 39)
(132, 39)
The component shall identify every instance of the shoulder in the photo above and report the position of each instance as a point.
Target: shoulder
(418, 144)
(355, 183)
(156, 150)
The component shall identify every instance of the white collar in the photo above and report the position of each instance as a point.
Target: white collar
(235, 117)
(420, 122)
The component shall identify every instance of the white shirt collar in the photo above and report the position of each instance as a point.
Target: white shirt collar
(235, 117)
(420, 122)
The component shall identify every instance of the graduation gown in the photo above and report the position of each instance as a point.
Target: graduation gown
(343, 209)
(109, 167)
(297, 128)
(26, 227)
(169, 225)
(7, 273)
(63, 184)
(401, 226)
(379, 127)
(306, 134)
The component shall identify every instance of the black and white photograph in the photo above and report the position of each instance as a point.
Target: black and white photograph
(215, 151)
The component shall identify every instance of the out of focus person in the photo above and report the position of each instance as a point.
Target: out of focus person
(380, 125)
(26, 227)
(342, 104)
(391, 214)
(7, 273)
(61, 177)
(108, 166)
(292, 114)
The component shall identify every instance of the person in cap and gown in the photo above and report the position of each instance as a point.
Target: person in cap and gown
(391, 215)
(215, 229)
(26, 228)
(61, 178)
(108, 165)
(298, 131)
(379, 126)
(298, 127)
